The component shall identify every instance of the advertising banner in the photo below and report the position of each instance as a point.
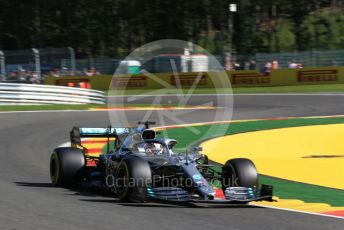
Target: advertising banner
(279, 77)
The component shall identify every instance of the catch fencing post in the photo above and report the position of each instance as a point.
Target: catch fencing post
(2, 66)
(37, 62)
(72, 60)
(314, 57)
(232, 8)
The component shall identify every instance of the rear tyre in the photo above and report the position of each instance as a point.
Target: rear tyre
(239, 172)
(66, 166)
(133, 175)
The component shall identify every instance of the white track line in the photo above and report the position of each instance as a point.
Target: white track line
(304, 212)
(195, 95)
(289, 94)
(52, 111)
(111, 110)
(232, 94)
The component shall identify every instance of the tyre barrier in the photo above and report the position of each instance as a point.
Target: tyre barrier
(17, 93)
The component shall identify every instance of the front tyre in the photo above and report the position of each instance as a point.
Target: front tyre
(133, 175)
(239, 172)
(66, 166)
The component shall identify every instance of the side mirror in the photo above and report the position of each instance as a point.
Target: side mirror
(198, 149)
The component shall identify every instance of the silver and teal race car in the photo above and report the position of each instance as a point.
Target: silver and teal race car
(139, 166)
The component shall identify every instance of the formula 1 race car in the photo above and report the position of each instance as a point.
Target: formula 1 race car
(139, 166)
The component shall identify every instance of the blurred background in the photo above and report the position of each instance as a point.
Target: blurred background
(89, 37)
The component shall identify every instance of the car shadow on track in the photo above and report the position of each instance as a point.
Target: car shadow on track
(169, 204)
(191, 205)
(84, 190)
(87, 191)
(34, 184)
(103, 196)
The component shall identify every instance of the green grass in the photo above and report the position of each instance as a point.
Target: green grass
(334, 88)
(305, 192)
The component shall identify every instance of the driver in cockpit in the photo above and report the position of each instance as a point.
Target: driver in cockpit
(151, 149)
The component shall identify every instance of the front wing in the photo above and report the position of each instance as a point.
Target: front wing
(233, 195)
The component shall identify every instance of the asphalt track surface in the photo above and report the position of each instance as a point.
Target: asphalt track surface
(28, 201)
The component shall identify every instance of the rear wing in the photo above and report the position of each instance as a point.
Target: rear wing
(78, 133)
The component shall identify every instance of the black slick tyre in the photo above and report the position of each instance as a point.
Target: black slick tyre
(133, 175)
(239, 172)
(66, 166)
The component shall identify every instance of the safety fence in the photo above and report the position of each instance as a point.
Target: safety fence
(257, 61)
(35, 64)
(311, 58)
(17, 93)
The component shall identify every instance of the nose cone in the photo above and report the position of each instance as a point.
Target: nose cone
(207, 191)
